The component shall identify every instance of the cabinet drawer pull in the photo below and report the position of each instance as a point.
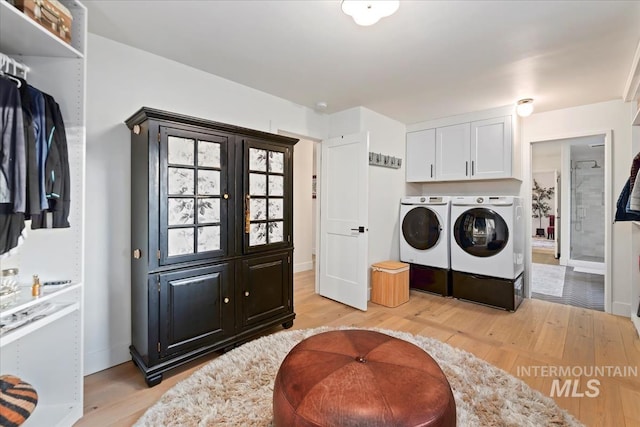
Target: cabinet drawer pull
(466, 168)
(246, 293)
(247, 215)
(225, 196)
(226, 300)
(473, 168)
(431, 170)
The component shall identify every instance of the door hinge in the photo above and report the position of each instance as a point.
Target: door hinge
(289, 259)
(158, 283)
(158, 136)
(158, 346)
(158, 253)
(289, 238)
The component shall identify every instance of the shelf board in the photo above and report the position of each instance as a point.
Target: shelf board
(25, 300)
(636, 223)
(20, 35)
(54, 415)
(62, 310)
(636, 119)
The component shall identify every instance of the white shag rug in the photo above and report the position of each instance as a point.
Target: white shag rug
(236, 389)
(547, 279)
(543, 243)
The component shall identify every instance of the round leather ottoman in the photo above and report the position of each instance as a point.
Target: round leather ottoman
(361, 378)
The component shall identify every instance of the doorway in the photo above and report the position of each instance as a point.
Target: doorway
(568, 224)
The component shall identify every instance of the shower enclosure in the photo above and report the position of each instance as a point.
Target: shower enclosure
(587, 207)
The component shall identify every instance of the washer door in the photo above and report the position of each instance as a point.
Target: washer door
(481, 232)
(421, 228)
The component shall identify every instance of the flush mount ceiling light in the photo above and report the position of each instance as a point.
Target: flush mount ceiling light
(525, 107)
(368, 12)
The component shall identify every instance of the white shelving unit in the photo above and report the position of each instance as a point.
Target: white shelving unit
(48, 352)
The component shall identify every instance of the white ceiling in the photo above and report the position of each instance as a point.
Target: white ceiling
(430, 59)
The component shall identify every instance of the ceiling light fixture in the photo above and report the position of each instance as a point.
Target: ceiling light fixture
(525, 107)
(368, 12)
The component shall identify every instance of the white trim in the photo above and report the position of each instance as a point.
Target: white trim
(608, 232)
(632, 87)
(621, 309)
(508, 110)
(302, 266)
(111, 356)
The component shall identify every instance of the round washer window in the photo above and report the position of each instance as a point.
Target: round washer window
(481, 232)
(421, 228)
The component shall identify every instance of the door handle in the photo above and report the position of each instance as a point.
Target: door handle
(359, 229)
(432, 170)
(466, 168)
(473, 167)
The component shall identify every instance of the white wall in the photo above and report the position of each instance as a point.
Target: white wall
(303, 218)
(585, 120)
(120, 80)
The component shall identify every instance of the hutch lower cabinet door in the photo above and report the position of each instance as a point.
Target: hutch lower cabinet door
(211, 237)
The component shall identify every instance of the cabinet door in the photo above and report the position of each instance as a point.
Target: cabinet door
(491, 148)
(421, 155)
(265, 290)
(452, 152)
(196, 308)
(194, 196)
(268, 202)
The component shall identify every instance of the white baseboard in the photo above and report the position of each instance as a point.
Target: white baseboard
(621, 309)
(104, 359)
(302, 266)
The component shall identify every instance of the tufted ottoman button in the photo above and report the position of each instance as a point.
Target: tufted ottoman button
(359, 377)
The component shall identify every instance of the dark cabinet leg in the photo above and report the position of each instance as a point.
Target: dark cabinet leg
(153, 380)
(288, 324)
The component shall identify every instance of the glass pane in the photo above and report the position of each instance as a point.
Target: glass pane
(208, 182)
(257, 160)
(257, 184)
(180, 211)
(276, 185)
(181, 181)
(275, 231)
(421, 228)
(258, 234)
(258, 209)
(181, 151)
(276, 162)
(275, 208)
(481, 232)
(208, 154)
(208, 210)
(208, 238)
(180, 241)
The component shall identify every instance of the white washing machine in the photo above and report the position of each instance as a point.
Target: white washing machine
(487, 249)
(424, 231)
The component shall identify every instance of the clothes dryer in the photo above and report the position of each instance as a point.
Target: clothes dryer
(424, 242)
(487, 249)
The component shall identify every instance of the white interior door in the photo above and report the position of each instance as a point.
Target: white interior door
(343, 250)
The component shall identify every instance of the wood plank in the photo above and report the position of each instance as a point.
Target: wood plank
(538, 334)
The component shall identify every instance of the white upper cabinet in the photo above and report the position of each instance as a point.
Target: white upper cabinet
(452, 152)
(479, 145)
(491, 148)
(421, 155)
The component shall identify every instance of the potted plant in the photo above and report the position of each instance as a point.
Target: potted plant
(539, 204)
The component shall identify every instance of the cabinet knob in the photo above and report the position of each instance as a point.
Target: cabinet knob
(137, 253)
(246, 293)
(225, 196)
(226, 300)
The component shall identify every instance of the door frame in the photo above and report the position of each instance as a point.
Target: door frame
(608, 203)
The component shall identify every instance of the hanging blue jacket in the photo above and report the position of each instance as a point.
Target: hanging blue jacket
(621, 205)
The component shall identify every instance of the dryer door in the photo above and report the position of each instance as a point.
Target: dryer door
(421, 228)
(481, 232)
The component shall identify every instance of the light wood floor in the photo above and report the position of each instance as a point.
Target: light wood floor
(539, 333)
